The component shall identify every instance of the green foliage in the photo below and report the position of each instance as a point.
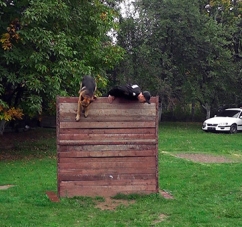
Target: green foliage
(180, 51)
(184, 112)
(59, 42)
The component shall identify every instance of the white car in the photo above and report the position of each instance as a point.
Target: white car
(228, 120)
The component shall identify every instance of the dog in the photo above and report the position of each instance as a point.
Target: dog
(88, 87)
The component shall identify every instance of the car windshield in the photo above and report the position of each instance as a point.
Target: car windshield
(228, 113)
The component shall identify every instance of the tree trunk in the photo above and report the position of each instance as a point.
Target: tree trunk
(160, 112)
(193, 111)
(2, 126)
(207, 107)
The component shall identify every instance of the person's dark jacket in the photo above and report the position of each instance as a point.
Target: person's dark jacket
(126, 91)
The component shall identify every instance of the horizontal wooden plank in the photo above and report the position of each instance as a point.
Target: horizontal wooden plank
(70, 117)
(91, 160)
(108, 131)
(108, 147)
(71, 191)
(104, 154)
(108, 112)
(107, 141)
(103, 125)
(110, 182)
(130, 183)
(65, 107)
(105, 136)
(89, 177)
(106, 165)
(109, 171)
(103, 100)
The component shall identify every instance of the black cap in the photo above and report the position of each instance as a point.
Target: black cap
(147, 96)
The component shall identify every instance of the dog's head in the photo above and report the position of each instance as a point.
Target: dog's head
(86, 101)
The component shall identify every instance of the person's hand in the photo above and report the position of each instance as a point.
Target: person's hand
(111, 98)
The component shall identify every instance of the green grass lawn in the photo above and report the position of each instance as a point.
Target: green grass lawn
(203, 194)
(189, 138)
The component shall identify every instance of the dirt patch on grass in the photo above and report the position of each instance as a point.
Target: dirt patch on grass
(205, 158)
(112, 204)
(5, 187)
(161, 218)
(165, 194)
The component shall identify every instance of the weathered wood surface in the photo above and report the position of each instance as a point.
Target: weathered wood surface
(112, 151)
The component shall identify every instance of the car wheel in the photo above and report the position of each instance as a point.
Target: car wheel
(233, 129)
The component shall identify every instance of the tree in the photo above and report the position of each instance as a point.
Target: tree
(181, 52)
(47, 46)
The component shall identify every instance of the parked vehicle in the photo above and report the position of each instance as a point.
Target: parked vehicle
(228, 120)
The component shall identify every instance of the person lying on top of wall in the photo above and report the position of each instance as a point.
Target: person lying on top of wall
(130, 92)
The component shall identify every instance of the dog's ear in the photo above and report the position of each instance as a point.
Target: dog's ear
(94, 97)
(82, 93)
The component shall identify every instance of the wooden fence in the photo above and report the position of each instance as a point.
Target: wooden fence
(112, 151)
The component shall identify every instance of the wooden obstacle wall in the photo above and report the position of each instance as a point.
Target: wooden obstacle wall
(112, 151)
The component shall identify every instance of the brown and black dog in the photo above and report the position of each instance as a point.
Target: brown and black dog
(86, 95)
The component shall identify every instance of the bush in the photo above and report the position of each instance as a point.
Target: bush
(8, 114)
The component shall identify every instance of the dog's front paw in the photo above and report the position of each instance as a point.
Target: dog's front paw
(85, 115)
(77, 117)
